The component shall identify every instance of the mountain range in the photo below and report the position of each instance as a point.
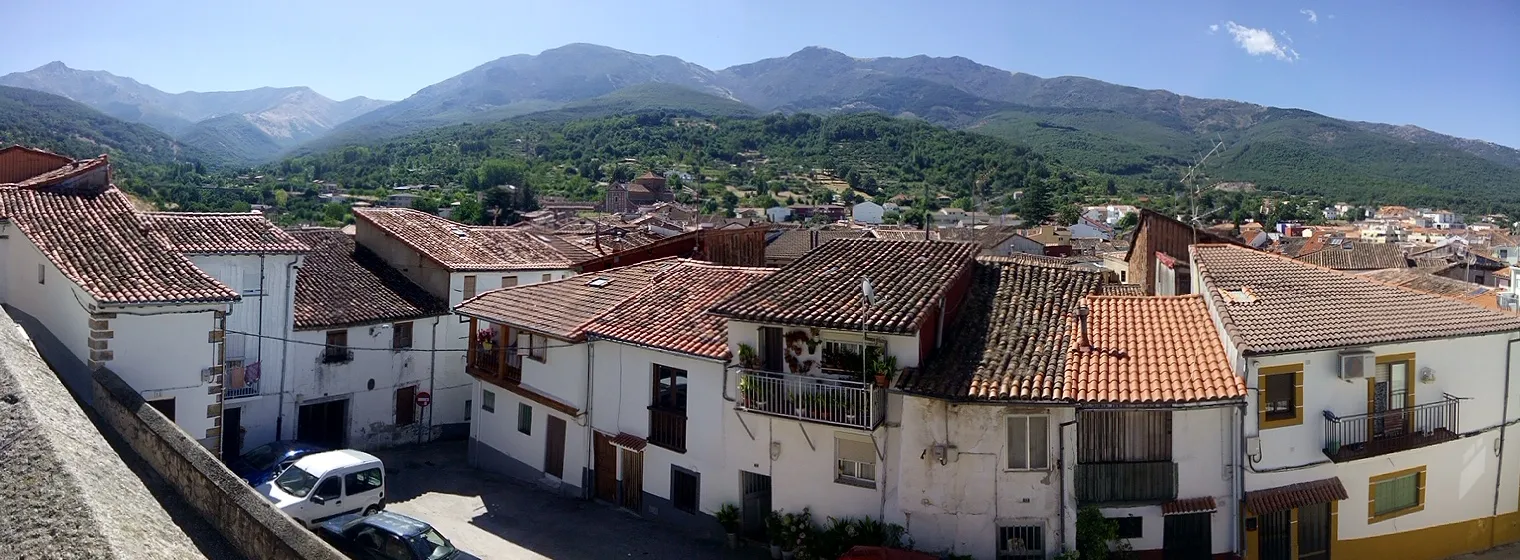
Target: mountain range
(1090, 124)
(230, 126)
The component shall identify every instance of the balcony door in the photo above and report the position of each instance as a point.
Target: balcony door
(771, 348)
(667, 411)
(1390, 391)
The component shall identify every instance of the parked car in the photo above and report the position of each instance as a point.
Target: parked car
(266, 461)
(325, 485)
(388, 536)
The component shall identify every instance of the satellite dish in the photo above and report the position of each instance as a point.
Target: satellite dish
(867, 291)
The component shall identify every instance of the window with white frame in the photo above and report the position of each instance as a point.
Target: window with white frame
(856, 461)
(538, 346)
(1021, 542)
(1028, 442)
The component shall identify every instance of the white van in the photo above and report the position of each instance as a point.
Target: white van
(328, 484)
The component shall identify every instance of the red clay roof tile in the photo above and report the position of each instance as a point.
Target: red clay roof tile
(341, 284)
(1272, 500)
(466, 247)
(672, 312)
(1149, 350)
(220, 234)
(1189, 505)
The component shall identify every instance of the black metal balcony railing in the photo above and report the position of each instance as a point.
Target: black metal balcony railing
(824, 400)
(1348, 438)
(1107, 483)
(337, 355)
(667, 428)
(493, 364)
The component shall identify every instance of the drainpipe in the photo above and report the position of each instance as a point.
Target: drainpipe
(263, 295)
(586, 484)
(279, 420)
(1061, 476)
(1238, 471)
(432, 370)
(1493, 527)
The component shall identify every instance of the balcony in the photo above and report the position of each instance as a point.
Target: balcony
(1348, 438)
(667, 428)
(337, 355)
(495, 364)
(240, 381)
(1109, 483)
(825, 400)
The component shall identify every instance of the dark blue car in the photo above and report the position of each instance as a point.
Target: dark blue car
(388, 536)
(266, 461)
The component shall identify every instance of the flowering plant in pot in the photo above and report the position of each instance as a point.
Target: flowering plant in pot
(728, 517)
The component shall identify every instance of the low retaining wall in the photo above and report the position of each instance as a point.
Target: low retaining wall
(244, 518)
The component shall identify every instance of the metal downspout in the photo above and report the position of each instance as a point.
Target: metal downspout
(279, 421)
(586, 474)
(1061, 473)
(1493, 526)
(432, 375)
(263, 295)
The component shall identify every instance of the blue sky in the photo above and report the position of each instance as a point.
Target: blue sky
(1453, 67)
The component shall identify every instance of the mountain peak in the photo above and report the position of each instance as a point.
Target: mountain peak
(54, 66)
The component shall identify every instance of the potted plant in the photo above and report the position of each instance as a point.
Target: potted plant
(748, 358)
(728, 517)
(775, 530)
(1333, 446)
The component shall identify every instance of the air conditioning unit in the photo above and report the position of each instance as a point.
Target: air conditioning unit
(1356, 364)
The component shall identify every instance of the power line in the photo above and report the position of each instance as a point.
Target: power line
(375, 349)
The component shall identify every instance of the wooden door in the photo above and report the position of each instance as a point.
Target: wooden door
(1276, 533)
(770, 348)
(1314, 532)
(232, 433)
(1187, 537)
(605, 465)
(554, 451)
(633, 481)
(756, 491)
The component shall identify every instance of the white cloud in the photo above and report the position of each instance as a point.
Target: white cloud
(1213, 29)
(1313, 17)
(1258, 42)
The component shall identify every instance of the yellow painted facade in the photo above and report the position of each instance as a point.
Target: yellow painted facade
(1430, 543)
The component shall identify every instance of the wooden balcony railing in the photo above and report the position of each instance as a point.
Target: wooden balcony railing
(824, 400)
(1101, 483)
(495, 364)
(667, 428)
(1348, 438)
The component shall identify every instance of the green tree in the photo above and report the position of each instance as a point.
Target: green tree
(1035, 205)
(1069, 214)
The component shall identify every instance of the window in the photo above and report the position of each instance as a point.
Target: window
(406, 406)
(164, 406)
(329, 489)
(469, 286)
(1395, 494)
(538, 346)
(41, 273)
(508, 281)
(1024, 542)
(467, 409)
(684, 485)
(1281, 400)
(1129, 527)
(337, 348)
(669, 388)
(525, 419)
(547, 277)
(856, 460)
(363, 481)
(843, 356)
(1028, 442)
(488, 401)
(252, 284)
(401, 335)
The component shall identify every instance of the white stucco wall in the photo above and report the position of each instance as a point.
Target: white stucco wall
(371, 411)
(498, 430)
(561, 375)
(57, 303)
(622, 393)
(867, 212)
(959, 505)
(162, 355)
(1460, 475)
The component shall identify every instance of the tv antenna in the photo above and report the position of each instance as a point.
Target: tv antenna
(1197, 191)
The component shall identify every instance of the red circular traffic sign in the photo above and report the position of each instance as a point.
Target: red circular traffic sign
(424, 399)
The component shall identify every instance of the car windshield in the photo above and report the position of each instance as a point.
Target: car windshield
(295, 481)
(262, 457)
(434, 545)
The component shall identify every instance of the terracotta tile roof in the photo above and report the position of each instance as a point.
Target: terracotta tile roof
(342, 284)
(1121, 290)
(97, 240)
(563, 308)
(823, 288)
(464, 247)
(671, 313)
(220, 234)
(1149, 350)
(904, 234)
(1418, 279)
(1010, 338)
(791, 244)
(1272, 500)
(629, 441)
(1352, 255)
(1189, 505)
(1287, 305)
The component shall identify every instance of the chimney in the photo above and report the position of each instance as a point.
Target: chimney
(1085, 343)
(812, 239)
